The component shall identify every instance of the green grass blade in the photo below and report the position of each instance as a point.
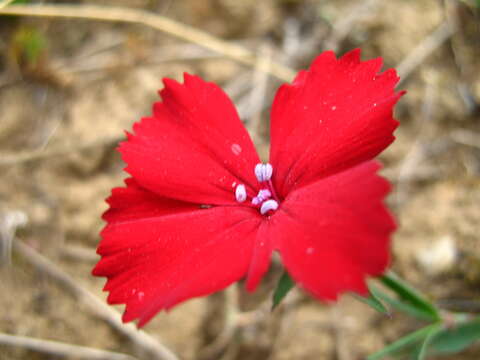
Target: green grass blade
(374, 302)
(285, 284)
(457, 338)
(402, 343)
(401, 306)
(423, 350)
(410, 296)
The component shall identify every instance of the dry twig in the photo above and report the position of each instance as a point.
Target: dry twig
(9, 222)
(466, 137)
(416, 155)
(238, 85)
(56, 348)
(80, 253)
(258, 95)
(343, 27)
(97, 306)
(342, 348)
(158, 22)
(35, 155)
(428, 45)
(230, 326)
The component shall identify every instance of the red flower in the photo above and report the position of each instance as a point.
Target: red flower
(200, 211)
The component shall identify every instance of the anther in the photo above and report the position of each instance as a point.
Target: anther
(262, 195)
(240, 193)
(263, 172)
(269, 205)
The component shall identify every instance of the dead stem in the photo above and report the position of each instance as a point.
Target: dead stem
(98, 307)
(416, 155)
(59, 349)
(343, 27)
(230, 326)
(158, 22)
(466, 137)
(258, 94)
(427, 46)
(79, 253)
(36, 155)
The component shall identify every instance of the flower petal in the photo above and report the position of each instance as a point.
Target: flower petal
(157, 252)
(333, 233)
(333, 116)
(133, 202)
(194, 147)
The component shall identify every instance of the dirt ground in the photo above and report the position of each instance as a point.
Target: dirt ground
(67, 95)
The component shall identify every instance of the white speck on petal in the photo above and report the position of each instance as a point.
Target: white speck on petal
(240, 193)
(268, 205)
(236, 149)
(310, 250)
(141, 295)
(334, 108)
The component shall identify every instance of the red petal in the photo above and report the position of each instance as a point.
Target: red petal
(157, 252)
(333, 116)
(133, 202)
(333, 233)
(194, 147)
(261, 254)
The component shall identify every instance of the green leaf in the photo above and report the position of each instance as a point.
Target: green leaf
(30, 43)
(285, 284)
(410, 297)
(401, 306)
(374, 302)
(422, 352)
(404, 342)
(456, 339)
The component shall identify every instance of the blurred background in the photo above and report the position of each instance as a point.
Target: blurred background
(69, 87)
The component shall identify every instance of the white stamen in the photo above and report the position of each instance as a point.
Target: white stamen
(263, 172)
(262, 195)
(256, 201)
(268, 205)
(240, 193)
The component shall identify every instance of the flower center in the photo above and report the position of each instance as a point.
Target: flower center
(266, 200)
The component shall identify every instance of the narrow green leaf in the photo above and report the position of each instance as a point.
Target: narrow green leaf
(402, 306)
(399, 345)
(423, 349)
(410, 295)
(285, 284)
(456, 339)
(373, 301)
(30, 42)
